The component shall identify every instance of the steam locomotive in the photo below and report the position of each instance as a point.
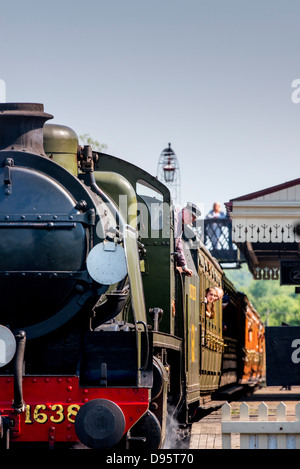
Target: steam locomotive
(102, 338)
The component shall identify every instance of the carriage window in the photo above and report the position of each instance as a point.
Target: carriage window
(153, 201)
(144, 188)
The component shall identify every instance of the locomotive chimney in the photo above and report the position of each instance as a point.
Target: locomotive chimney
(21, 127)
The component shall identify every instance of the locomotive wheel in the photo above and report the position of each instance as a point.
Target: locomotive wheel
(146, 433)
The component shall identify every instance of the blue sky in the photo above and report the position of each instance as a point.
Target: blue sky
(213, 77)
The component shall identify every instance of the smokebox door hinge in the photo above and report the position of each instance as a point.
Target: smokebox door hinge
(9, 162)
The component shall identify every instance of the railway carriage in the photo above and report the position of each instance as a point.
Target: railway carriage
(244, 338)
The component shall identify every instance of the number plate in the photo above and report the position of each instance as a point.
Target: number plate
(54, 413)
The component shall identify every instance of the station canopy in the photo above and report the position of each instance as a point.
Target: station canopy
(264, 228)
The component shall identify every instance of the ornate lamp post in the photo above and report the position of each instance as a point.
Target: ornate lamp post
(168, 172)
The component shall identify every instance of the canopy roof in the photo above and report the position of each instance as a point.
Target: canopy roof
(264, 227)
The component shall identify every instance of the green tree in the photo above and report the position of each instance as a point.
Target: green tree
(275, 303)
(86, 139)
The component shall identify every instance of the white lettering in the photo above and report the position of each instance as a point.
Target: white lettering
(117, 459)
(296, 93)
(2, 91)
(295, 355)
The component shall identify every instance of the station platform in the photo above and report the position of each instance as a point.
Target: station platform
(207, 434)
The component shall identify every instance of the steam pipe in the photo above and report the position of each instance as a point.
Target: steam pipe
(18, 403)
